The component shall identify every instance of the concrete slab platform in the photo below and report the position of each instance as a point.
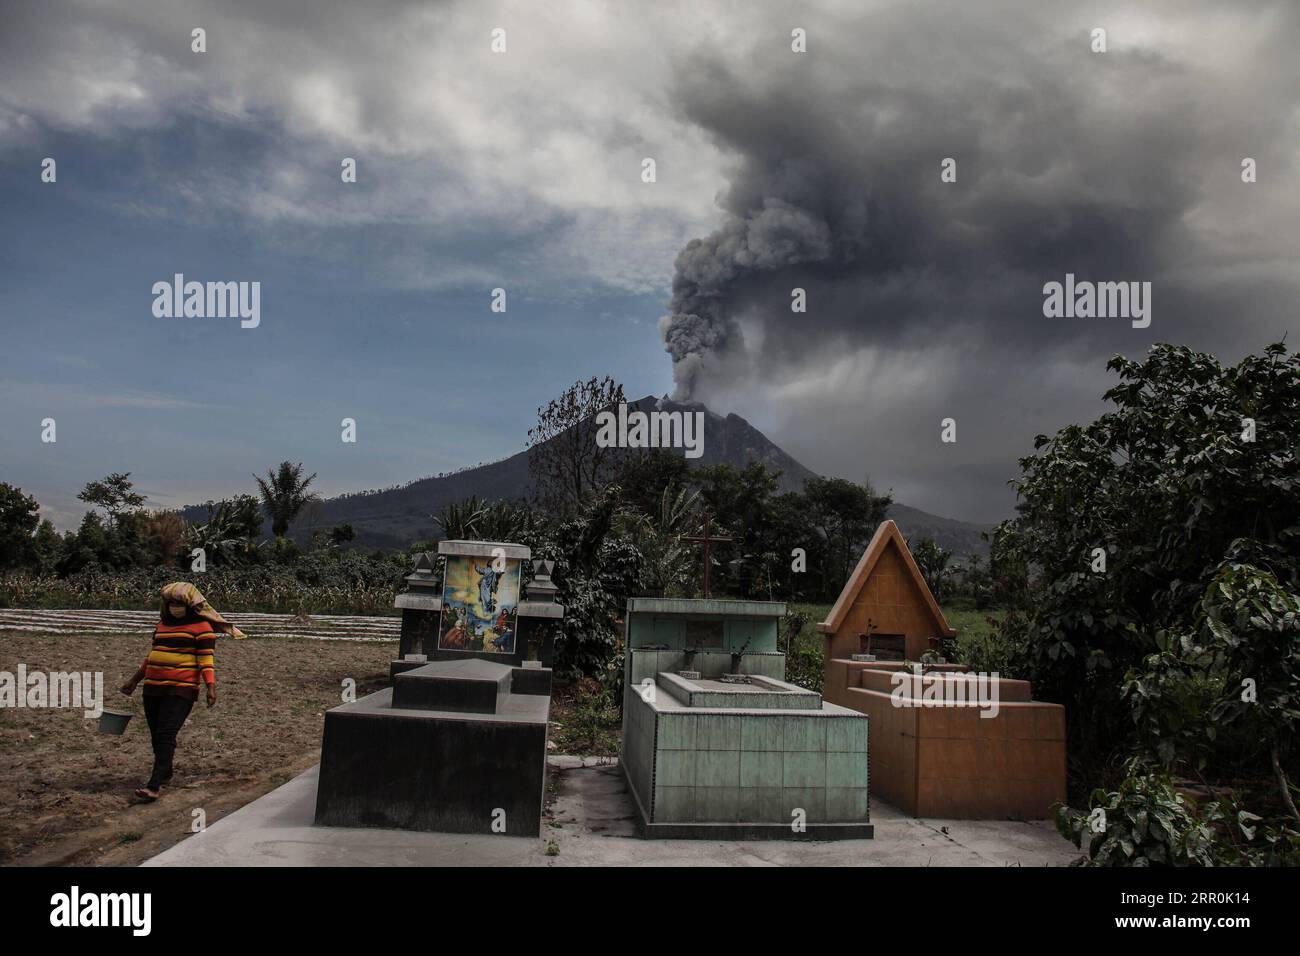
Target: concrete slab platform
(592, 824)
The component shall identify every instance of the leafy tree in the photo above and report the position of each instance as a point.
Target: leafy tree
(47, 544)
(459, 520)
(844, 515)
(667, 563)
(242, 516)
(284, 494)
(115, 494)
(89, 545)
(330, 540)
(19, 517)
(1231, 682)
(1122, 523)
(117, 544)
(504, 521)
(788, 527)
(286, 553)
(740, 501)
(596, 571)
(1255, 629)
(645, 475)
(474, 520)
(231, 532)
(974, 582)
(933, 562)
(564, 460)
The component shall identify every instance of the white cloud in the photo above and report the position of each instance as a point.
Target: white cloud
(546, 139)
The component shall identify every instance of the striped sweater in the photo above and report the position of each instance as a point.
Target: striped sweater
(182, 655)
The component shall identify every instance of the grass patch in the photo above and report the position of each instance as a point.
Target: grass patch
(584, 720)
(978, 643)
(805, 660)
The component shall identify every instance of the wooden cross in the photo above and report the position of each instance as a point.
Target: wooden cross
(708, 540)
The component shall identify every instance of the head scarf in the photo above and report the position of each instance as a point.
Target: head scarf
(182, 592)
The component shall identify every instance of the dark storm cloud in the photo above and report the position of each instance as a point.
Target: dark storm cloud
(1067, 161)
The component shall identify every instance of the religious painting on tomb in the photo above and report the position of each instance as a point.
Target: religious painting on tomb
(480, 597)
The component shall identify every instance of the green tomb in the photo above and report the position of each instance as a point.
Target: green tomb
(717, 745)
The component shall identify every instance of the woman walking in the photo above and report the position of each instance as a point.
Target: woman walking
(184, 642)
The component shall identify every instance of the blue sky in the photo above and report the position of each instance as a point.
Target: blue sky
(375, 304)
(191, 406)
(522, 170)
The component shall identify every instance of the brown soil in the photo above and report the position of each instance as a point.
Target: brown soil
(66, 790)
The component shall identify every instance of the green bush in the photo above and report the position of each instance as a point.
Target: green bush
(1145, 822)
(1122, 524)
(803, 645)
(981, 645)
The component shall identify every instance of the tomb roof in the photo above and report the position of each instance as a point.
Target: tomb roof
(886, 536)
(702, 607)
(485, 548)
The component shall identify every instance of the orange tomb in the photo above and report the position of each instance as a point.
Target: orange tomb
(945, 743)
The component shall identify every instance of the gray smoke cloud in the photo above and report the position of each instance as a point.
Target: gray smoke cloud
(1114, 166)
(771, 238)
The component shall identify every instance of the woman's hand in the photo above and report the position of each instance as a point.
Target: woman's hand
(212, 695)
(129, 687)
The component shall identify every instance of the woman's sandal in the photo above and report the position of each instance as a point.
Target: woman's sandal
(149, 796)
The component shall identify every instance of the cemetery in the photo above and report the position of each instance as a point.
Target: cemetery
(562, 688)
(692, 437)
(717, 747)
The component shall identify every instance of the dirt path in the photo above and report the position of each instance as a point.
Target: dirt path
(65, 789)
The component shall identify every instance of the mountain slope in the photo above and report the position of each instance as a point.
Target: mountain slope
(395, 517)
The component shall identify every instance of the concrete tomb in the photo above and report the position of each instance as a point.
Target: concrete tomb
(475, 608)
(717, 745)
(945, 742)
(457, 744)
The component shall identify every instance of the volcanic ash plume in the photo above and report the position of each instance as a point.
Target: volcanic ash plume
(711, 273)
